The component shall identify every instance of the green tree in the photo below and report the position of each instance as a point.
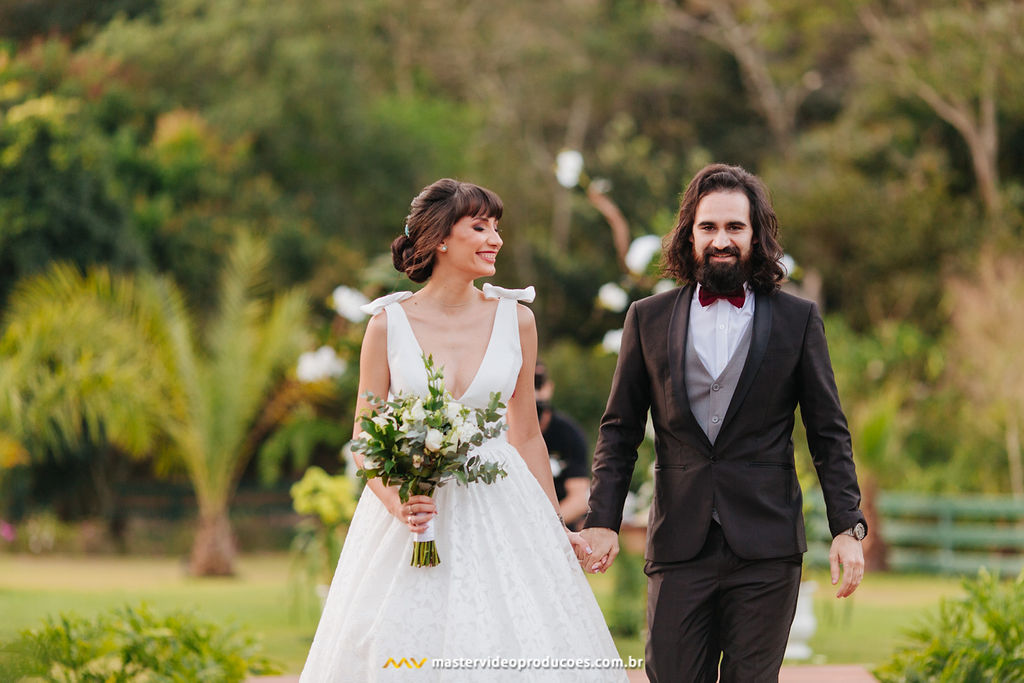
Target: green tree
(785, 51)
(96, 170)
(875, 213)
(60, 197)
(882, 377)
(136, 370)
(987, 326)
(961, 60)
(25, 20)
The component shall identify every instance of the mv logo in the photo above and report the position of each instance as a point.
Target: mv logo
(403, 662)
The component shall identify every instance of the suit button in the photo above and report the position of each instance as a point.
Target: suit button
(714, 458)
(716, 386)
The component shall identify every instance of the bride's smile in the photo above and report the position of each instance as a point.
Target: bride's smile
(471, 247)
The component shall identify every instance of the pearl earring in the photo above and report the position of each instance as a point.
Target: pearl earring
(444, 247)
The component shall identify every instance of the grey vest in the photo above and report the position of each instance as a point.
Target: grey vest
(710, 396)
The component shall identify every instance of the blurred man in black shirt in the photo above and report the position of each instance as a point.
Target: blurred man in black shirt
(567, 448)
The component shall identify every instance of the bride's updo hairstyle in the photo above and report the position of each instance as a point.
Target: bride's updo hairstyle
(431, 216)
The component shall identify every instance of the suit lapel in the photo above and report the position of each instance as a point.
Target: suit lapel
(678, 328)
(758, 344)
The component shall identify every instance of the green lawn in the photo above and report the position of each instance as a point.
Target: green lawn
(861, 630)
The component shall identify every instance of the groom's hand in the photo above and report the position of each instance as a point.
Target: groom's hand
(846, 551)
(604, 546)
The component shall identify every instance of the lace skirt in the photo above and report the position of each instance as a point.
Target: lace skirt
(508, 602)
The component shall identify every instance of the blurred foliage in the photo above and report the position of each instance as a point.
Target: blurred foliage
(626, 613)
(133, 372)
(24, 20)
(582, 376)
(328, 503)
(132, 644)
(974, 638)
(146, 135)
(987, 325)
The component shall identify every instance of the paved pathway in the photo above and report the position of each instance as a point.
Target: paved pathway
(789, 674)
(804, 674)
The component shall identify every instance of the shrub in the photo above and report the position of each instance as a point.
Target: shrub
(132, 644)
(976, 638)
(626, 612)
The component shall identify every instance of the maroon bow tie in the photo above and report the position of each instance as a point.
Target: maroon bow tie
(707, 298)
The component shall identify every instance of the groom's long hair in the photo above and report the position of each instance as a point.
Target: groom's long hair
(678, 260)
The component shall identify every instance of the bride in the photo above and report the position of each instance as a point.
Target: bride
(509, 600)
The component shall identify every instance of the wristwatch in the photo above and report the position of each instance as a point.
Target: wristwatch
(858, 531)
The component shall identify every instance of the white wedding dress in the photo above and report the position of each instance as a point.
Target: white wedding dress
(508, 586)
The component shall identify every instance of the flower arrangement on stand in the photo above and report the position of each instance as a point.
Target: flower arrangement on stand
(329, 502)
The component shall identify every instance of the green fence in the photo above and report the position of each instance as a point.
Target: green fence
(932, 533)
(164, 500)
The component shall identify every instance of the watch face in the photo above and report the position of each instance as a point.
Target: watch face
(859, 531)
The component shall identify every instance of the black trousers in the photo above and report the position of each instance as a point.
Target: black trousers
(718, 606)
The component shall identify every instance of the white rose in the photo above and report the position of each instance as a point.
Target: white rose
(454, 411)
(417, 411)
(433, 440)
(466, 431)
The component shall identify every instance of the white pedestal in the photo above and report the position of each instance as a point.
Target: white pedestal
(804, 623)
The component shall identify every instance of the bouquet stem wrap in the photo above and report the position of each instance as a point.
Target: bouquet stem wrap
(419, 443)
(424, 550)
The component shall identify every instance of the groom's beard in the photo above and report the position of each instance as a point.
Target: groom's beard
(722, 278)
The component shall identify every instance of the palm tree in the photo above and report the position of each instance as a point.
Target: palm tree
(129, 361)
(76, 369)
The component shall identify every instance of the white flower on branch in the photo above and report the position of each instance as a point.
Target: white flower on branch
(319, 365)
(612, 297)
(346, 302)
(612, 341)
(641, 251)
(568, 167)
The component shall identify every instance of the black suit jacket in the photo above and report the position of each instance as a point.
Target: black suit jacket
(748, 474)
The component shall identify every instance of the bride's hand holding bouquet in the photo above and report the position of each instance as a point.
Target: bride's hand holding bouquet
(420, 443)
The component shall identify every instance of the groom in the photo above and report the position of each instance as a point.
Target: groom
(722, 363)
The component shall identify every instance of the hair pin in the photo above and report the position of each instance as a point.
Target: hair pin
(406, 229)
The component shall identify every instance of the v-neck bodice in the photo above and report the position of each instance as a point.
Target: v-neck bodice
(396, 311)
(498, 370)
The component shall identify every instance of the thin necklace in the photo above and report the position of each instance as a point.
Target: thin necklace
(444, 305)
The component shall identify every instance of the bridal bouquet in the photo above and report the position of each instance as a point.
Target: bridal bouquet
(421, 442)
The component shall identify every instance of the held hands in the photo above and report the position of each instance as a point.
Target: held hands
(579, 544)
(846, 551)
(416, 513)
(604, 547)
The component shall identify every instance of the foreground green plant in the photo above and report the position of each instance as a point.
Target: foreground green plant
(979, 637)
(329, 503)
(132, 644)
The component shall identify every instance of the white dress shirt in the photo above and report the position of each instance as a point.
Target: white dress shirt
(718, 328)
